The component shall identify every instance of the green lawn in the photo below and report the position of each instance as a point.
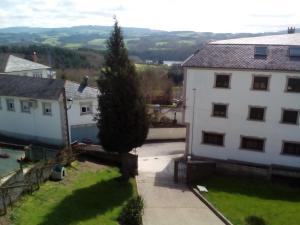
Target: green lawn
(87, 196)
(239, 198)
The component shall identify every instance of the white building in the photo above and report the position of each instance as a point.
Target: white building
(48, 111)
(242, 101)
(18, 66)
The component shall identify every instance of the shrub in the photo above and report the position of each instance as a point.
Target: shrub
(132, 212)
(255, 220)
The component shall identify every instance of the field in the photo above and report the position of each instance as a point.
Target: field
(241, 198)
(89, 195)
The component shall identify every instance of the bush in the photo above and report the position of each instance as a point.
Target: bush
(255, 220)
(132, 212)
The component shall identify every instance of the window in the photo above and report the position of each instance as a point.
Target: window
(86, 108)
(293, 84)
(47, 110)
(251, 143)
(290, 116)
(291, 148)
(294, 52)
(213, 138)
(219, 110)
(260, 52)
(222, 81)
(37, 74)
(10, 105)
(256, 113)
(260, 83)
(25, 107)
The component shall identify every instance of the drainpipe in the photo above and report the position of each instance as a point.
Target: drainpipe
(193, 120)
(66, 117)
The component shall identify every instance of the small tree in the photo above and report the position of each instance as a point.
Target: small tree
(122, 122)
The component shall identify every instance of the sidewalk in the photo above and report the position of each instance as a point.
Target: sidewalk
(167, 203)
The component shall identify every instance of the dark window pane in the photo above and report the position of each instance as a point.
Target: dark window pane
(213, 138)
(222, 81)
(290, 116)
(256, 113)
(291, 148)
(220, 110)
(255, 144)
(294, 52)
(293, 85)
(260, 51)
(260, 83)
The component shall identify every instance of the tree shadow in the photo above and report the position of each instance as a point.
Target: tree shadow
(253, 187)
(87, 203)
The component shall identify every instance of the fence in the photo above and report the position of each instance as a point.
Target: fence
(29, 178)
(36, 153)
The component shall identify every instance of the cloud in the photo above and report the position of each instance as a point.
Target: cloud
(213, 15)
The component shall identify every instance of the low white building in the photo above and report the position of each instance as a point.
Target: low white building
(242, 101)
(48, 111)
(82, 110)
(14, 65)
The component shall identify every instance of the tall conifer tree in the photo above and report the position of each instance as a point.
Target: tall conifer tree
(123, 123)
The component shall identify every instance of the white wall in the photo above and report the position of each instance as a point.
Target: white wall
(29, 73)
(166, 133)
(74, 112)
(239, 97)
(33, 125)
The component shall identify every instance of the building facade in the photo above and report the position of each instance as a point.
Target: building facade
(18, 66)
(242, 101)
(47, 111)
(33, 110)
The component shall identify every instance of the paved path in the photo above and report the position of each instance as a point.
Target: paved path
(167, 203)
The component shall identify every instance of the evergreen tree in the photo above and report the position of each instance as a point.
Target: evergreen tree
(122, 122)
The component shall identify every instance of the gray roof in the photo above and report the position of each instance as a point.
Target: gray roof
(241, 56)
(15, 64)
(30, 87)
(78, 91)
(283, 39)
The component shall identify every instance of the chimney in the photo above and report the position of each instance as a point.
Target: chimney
(34, 57)
(291, 30)
(83, 84)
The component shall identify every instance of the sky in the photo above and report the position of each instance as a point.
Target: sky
(171, 15)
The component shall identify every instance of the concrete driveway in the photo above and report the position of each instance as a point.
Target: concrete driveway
(167, 203)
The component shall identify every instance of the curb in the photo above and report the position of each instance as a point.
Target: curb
(210, 206)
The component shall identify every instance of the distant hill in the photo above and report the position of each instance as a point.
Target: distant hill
(142, 43)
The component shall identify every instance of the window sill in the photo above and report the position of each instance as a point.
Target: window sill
(252, 150)
(290, 155)
(254, 120)
(215, 145)
(82, 114)
(295, 124)
(264, 90)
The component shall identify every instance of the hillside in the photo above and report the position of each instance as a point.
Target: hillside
(142, 43)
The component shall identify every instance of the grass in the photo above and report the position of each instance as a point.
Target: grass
(86, 197)
(97, 42)
(242, 198)
(73, 45)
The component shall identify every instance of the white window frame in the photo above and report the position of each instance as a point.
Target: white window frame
(24, 110)
(86, 105)
(8, 102)
(37, 74)
(46, 107)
